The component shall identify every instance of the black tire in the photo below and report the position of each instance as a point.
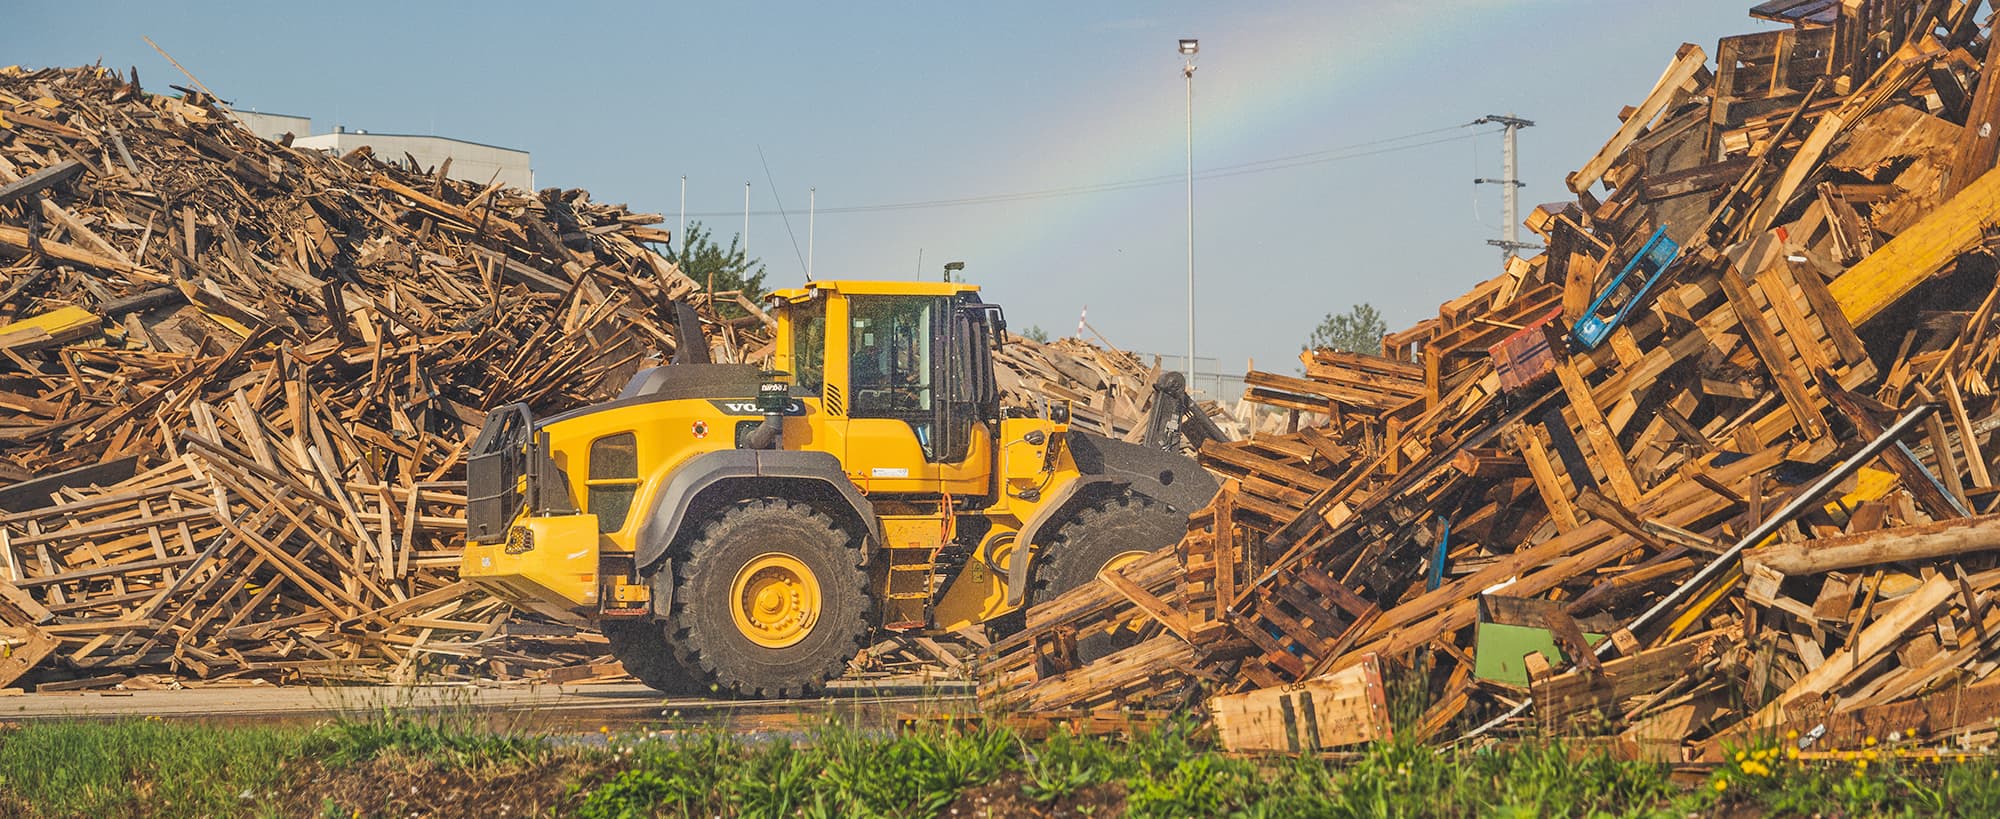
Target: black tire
(703, 625)
(1090, 539)
(641, 646)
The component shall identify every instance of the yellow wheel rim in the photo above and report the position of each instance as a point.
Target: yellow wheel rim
(775, 600)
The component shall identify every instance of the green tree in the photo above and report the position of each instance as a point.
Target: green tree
(1036, 334)
(716, 267)
(1359, 330)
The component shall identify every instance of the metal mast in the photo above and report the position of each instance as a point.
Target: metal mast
(1511, 185)
(1189, 47)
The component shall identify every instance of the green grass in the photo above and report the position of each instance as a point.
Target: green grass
(118, 768)
(170, 769)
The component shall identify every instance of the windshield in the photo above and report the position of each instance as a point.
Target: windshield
(890, 363)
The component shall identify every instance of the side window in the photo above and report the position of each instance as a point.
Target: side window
(890, 363)
(613, 480)
(809, 345)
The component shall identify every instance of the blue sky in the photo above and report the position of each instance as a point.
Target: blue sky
(876, 103)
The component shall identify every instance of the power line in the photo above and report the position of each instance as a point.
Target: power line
(1342, 153)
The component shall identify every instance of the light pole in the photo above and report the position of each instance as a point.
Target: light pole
(1189, 47)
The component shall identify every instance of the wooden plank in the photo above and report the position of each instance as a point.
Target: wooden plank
(1768, 349)
(1167, 615)
(1544, 473)
(1968, 440)
(1979, 138)
(1905, 543)
(1921, 251)
(1688, 60)
(1611, 459)
(41, 180)
(1878, 636)
(1329, 712)
(1563, 697)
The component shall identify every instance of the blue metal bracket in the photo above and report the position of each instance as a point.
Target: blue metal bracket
(1652, 260)
(1436, 577)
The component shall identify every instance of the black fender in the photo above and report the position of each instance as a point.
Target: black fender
(1110, 467)
(713, 470)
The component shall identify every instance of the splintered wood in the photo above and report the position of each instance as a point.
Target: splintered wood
(238, 381)
(1109, 392)
(1488, 508)
(240, 378)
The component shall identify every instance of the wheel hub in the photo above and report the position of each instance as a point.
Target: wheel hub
(775, 600)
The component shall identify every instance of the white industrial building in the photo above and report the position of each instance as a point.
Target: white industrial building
(471, 161)
(274, 127)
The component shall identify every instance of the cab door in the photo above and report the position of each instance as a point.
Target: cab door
(968, 416)
(893, 365)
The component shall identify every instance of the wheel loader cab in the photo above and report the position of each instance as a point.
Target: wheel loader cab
(904, 374)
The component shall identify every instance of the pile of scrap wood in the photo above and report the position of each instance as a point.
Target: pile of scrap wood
(1109, 392)
(1718, 461)
(240, 378)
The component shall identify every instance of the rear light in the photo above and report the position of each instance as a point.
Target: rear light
(519, 540)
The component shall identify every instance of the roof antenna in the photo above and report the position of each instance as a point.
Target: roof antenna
(781, 214)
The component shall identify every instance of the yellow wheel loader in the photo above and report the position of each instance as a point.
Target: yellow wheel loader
(746, 531)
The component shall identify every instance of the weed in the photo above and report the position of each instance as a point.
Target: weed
(1206, 784)
(443, 735)
(915, 773)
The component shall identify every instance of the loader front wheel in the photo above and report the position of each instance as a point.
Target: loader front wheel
(641, 646)
(772, 600)
(1111, 534)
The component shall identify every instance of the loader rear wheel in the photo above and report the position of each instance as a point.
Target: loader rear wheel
(1112, 533)
(641, 646)
(772, 600)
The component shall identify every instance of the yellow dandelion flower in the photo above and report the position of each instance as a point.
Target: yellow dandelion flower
(1861, 764)
(1740, 755)
(1874, 754)
(1868, 741)
(1721, 785)
(1791, 753)
(1755, 768)
(1792, 734)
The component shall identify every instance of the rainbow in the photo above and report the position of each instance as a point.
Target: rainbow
(1322, 57)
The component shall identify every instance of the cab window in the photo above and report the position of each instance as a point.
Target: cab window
(809, 345)
(613, 480)
(890, 365)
